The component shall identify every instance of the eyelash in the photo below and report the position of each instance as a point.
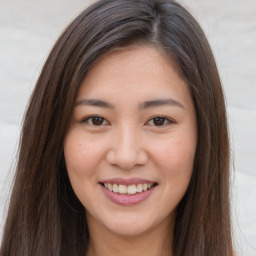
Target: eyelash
(87, 120)
(166, 121)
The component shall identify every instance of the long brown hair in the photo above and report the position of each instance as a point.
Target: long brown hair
(45, 217)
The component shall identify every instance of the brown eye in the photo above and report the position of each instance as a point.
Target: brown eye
(159, 121)
(95, 120)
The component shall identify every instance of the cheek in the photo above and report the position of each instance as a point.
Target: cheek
(175, 157)
(81, 155)
(82, 158)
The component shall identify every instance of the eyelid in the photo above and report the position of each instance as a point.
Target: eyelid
(85, 120)
(168, 119)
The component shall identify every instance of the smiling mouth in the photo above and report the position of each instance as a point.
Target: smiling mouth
(132, 189)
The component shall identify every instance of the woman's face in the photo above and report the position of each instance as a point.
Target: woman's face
(131, 144)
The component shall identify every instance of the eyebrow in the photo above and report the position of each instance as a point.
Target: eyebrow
(94, 102)
(144, 105)
(160, 102)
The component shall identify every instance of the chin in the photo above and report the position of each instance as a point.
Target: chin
(130, 226)
(129, 230)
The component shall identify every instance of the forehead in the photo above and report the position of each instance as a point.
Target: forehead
(141, 71)
(134, 57)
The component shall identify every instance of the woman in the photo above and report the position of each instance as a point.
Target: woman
(124, 148)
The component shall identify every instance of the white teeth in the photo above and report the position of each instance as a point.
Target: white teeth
(130, 190)
(115, 188)
(122, 189)
(109, 187)
(139, 188)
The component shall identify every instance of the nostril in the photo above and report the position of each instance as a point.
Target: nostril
(126, 159)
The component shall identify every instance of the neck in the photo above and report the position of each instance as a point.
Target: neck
(156, 242)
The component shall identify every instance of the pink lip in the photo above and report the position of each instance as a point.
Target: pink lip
(127, 182)
(127, 200)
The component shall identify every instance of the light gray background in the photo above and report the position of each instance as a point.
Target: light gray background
(28, 30)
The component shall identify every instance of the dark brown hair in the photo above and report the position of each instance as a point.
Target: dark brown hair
(45, 217)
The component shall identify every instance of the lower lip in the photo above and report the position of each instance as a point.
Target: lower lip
(127, 200)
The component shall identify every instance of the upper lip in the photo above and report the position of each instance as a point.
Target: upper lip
(129, 181)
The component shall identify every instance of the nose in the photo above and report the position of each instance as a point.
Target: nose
(126, 149)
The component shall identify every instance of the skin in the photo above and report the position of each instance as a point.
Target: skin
(130, 142)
